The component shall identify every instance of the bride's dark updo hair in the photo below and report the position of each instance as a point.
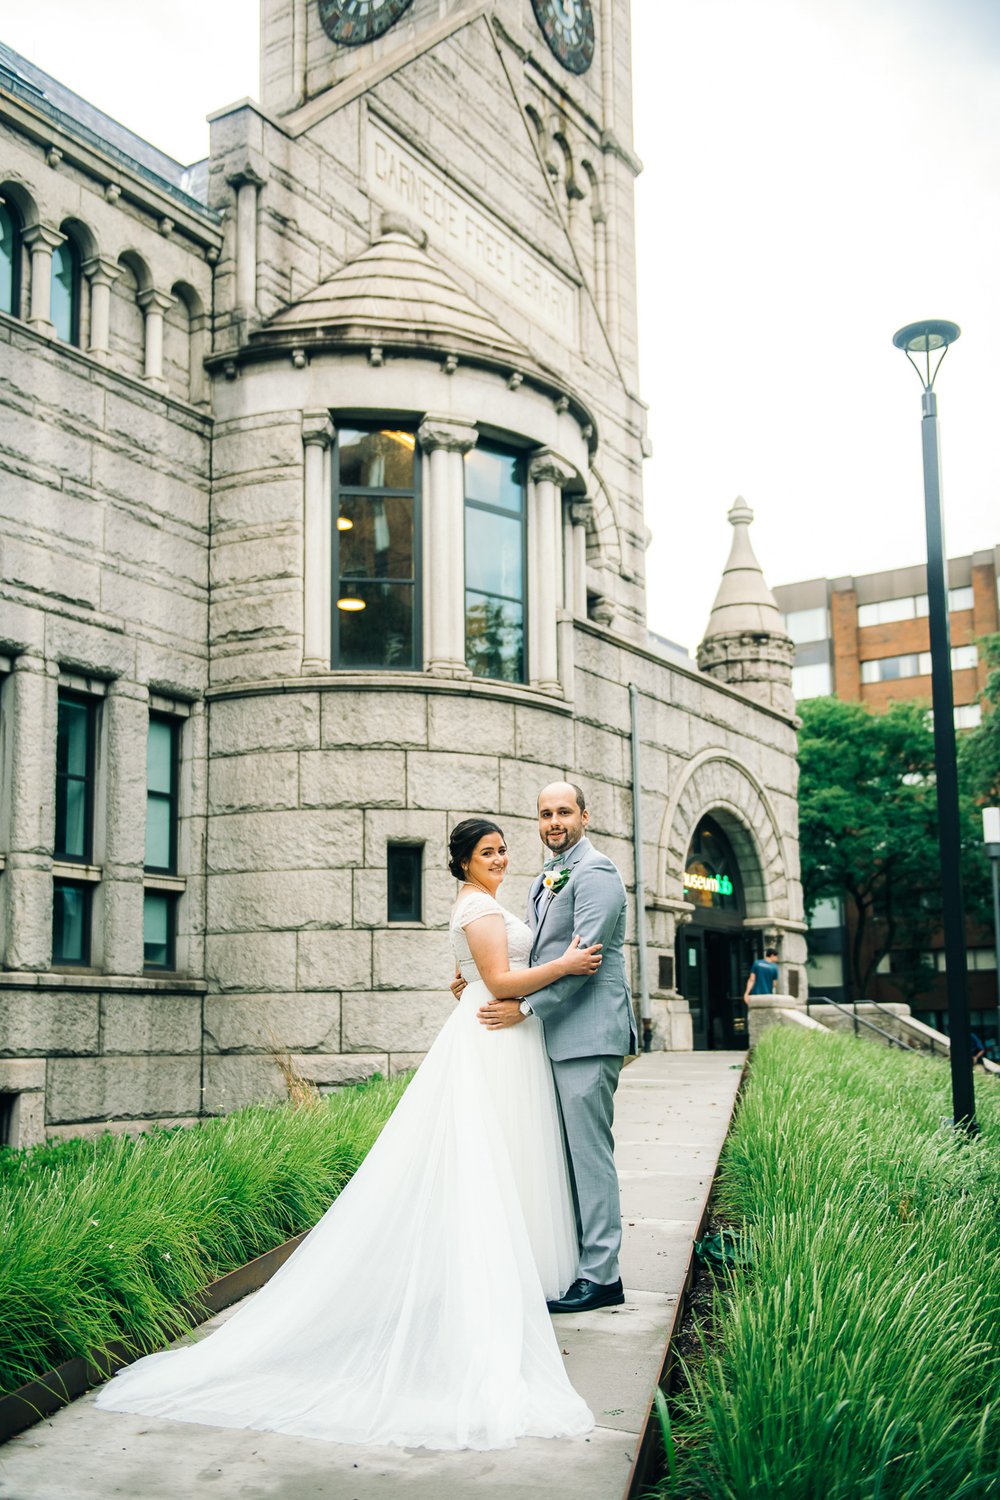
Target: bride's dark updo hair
(464, 838)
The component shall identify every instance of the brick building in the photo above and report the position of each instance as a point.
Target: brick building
(866, 640)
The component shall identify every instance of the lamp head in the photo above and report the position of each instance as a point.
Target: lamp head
(932, 336)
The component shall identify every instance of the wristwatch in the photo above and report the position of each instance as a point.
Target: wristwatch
(525, 1008)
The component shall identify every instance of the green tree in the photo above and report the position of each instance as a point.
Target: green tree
(868, 826)
(979, 750)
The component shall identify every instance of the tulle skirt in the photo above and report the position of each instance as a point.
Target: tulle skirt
(414, 1312)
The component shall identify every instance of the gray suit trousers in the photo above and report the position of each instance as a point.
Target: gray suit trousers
(586, 1090)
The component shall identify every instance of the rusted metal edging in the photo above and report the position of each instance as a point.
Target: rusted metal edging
(40, 1398)
(645, 1466)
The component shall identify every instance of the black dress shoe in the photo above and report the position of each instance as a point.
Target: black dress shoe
(584, 1296)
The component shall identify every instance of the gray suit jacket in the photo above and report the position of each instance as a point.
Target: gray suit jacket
(584, 1015)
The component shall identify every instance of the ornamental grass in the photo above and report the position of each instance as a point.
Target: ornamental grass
(857, 1355)
(106, 1239)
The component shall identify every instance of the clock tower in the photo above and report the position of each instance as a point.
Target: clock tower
(500, 131)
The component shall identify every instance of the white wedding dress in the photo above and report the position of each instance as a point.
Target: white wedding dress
(414, 1312)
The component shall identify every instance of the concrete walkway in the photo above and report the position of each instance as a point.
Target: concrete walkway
(673, 1111)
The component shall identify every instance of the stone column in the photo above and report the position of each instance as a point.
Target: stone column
(246, 182)
(191, 841)
(126, 729)
(580, 512)
(30, 776)
(41, 240)
(446, 442)
(154, 304)
(601, 263)
(548, 475)
(101, 274)
(317, 542)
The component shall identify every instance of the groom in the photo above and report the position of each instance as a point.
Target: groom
(589, 1028)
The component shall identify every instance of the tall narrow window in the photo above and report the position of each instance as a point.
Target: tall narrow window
(405, 862)
(10, 262)
(65, 304)
(376, 562)
(75, 755)
(495, 563)
(75, 739)
(70, 922)
(160, 906)
(161, 794)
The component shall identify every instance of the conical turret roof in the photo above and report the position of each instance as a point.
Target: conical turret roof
(744, 601)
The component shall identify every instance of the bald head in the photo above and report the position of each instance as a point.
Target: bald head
(562, 816)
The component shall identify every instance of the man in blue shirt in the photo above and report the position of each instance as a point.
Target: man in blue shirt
(763, 976)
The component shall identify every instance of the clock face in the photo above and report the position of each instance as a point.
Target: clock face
(569, 30)
(355, 21)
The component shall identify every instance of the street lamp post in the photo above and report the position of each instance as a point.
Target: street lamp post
(927, 340)
(991, 837)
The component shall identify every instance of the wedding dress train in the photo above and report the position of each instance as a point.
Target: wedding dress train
(414, 1312)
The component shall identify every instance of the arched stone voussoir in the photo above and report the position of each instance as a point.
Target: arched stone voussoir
(717, 784)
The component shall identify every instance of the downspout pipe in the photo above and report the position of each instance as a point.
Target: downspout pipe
(645, 1011)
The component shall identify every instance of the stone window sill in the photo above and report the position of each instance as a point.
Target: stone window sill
(89, 980)
(68, 870)
(153, 882)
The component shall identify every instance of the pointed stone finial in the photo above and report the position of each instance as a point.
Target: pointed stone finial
(744, 601)
(745, 641)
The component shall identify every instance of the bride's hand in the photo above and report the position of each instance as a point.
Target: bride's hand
(577, 960)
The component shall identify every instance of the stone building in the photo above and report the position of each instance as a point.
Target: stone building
(322, 527)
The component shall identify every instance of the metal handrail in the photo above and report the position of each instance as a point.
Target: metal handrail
(846, 1010)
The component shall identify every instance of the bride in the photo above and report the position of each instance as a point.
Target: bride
(414, 1312)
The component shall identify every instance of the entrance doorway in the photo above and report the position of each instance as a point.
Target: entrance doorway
(713, 967)
(713, 952)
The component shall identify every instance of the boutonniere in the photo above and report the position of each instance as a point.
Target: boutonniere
(554, 880)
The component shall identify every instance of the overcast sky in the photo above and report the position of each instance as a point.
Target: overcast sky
(816, 175)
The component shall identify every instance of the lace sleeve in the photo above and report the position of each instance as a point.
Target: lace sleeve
(476, 904)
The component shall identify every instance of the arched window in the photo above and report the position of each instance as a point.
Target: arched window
(65, 304)
(495, 563)
(711, 874)
(376, 610)
(10, 261)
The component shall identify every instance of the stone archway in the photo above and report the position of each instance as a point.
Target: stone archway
(715, 782)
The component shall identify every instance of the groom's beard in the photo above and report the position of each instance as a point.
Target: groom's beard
(558, 843)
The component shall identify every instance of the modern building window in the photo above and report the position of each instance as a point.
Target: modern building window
(814, 680)
(805, 625)
(65, 301)
(404, 874)
(888, 611)
(968, 715)
(10, 262)
(376, 553)
(910, 607)
(915, 664)
(71, 922)
(159, 924)
(161, 793)
(826, 971)
(826, 914)
(76, 736)
(495, 563)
